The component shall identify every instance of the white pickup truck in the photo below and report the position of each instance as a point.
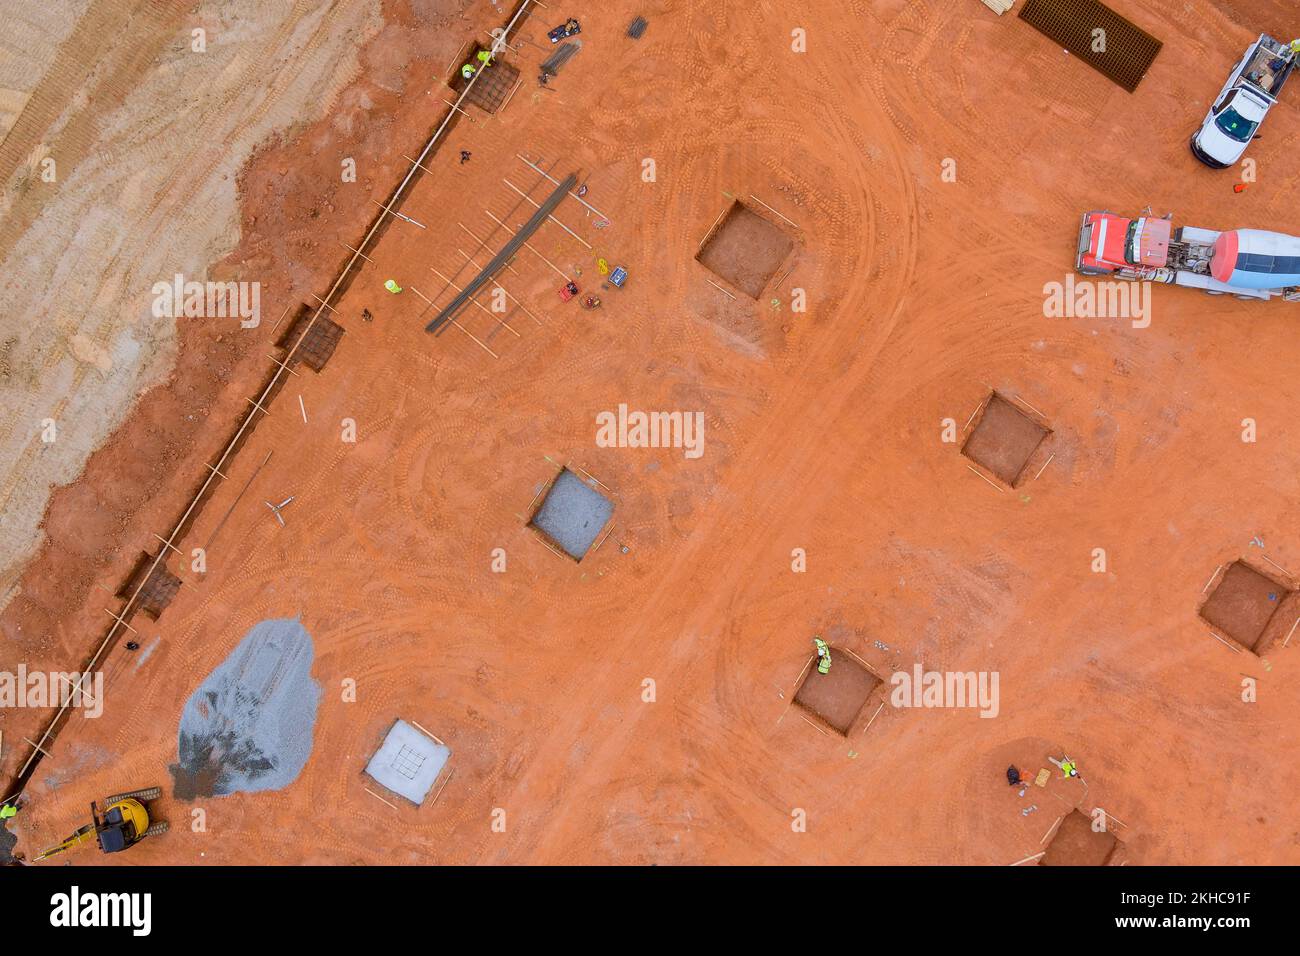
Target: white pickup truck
(1239, 108)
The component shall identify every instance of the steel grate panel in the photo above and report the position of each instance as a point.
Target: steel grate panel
(1129, 50)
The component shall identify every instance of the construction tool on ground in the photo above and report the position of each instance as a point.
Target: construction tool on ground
(125, 823)
(552, 64)
(568, 291)
(618, 277)
(275, 509)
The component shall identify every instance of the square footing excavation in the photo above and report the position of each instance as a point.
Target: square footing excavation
(1243, 602)
(572, 514)
(1076, 843)
(160, 586)
(838, 696)
(1004, 439)
(493, 86)
(408, 762)
(318, 343)
(745, 249)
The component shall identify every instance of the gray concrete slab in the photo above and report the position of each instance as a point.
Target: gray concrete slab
(573, 514)
(408, 762)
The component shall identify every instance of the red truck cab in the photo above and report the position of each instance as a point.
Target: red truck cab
(1110, 244)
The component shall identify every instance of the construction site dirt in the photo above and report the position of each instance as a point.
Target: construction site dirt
(915, 172)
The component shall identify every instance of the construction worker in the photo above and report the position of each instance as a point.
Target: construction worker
(1295, 47)
(823, 656)
(392, 286)
(468, 71)
(7, 811)
(484, 57)
(1068, 767)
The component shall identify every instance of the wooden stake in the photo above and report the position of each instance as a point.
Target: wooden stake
(393, 212)
(529, 247)
(766, 206)
(1028, 406)
(482, 244)
(874, 716)
(513, 299)
(981, 474)
(377, 797)
(444, 784)
(820, 729)
(1276, 565)
(475, 302)
(119, 620)
(168, 543)
(538, 205)
(427, 733)
(1235, 649)
(1212, 577)
(509, 96)
(714, 226)
(282, 365)
(40, 748)
(1290, 632)
(718, 287)
(358, 251)
(457, 324)
(557, 182)
(281, 318)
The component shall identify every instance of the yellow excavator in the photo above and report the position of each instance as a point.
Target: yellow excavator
(125, 822)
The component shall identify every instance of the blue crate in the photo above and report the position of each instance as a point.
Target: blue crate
(618, 277)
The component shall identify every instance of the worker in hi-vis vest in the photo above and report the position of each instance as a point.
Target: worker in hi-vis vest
(823, 656)
(467, 71)
(485, 57)
(392, 286)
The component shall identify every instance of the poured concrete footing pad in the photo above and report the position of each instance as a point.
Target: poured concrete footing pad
(573, 514)
(408, 763)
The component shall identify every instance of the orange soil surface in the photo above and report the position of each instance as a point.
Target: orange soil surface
(823, 433)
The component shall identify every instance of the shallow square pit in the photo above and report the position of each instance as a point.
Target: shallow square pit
(1076, 843)
(408, 762)
(572, 514)
(839, 696)
(1004, 439)
(745, 249)
(1243, 602)
(494, 83)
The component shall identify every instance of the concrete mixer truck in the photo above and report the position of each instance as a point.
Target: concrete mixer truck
(1246, 263)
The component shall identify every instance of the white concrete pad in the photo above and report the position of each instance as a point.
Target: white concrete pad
(408, 763)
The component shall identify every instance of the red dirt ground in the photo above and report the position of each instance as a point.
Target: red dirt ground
(823, 434)
(1076, 843)
(1004, 439)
